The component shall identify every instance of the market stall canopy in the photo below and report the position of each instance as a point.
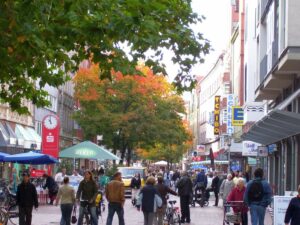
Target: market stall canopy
(87, 150)
(30, 158)
(2, 155)
(161, 163)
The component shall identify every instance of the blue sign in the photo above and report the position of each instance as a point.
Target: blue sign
(237, 116)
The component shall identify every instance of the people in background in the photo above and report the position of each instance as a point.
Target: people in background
(66, 197)
(162, 190)
(26, 200)
(215, 187)
(185, 189)
(149, 200)
(293, 211)
(115, 195)
(59, 177)
(52, 187)
(135, 185)
(258, 196)
(237, 195)
(15, 180)
(86, 195)
(226, 187)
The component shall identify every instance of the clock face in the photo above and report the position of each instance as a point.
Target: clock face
(50, 122)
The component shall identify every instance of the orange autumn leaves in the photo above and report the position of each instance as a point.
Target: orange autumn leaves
(89, 86)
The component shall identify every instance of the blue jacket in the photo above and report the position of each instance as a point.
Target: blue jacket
(293, 212)
(149, 199)
(267, 196)
(201, 178)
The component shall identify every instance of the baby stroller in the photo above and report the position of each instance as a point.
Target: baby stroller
(200, 196)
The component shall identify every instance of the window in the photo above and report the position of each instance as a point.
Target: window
(53, 103)
(38, 127)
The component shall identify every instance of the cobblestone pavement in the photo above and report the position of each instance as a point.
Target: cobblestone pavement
(211, 215)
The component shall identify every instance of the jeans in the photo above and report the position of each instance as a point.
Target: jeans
(159, 215)
(66, 212)
(185, 208)
(257, 213)
(92, 211)
(112, 208)
(25, 215)
(148, 218)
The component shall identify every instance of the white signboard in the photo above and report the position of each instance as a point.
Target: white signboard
(201, 149)
(281, 204)
(250, 148)
(262, 151)
(230, 103)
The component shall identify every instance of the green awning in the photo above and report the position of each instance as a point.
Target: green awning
(87, 150)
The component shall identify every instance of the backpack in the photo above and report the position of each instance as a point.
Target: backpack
(256, 192)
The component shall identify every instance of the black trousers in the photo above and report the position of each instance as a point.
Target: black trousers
(25, 215)
(244, 216)
(217, 198)
(185, 208)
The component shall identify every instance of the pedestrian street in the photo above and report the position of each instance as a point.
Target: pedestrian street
(211, 215)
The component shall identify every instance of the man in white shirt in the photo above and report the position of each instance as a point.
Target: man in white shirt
(59, 177)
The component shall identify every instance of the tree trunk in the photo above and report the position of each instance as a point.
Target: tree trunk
(129, 156)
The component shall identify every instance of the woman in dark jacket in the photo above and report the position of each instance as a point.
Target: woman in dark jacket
(293, 212)
(52, 187)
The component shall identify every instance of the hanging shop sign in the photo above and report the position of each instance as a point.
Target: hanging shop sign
(200, 150)
(230, 104)
(250, 148)
(217, 115)
(237, 116)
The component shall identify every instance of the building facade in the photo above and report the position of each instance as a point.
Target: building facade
(278, 85)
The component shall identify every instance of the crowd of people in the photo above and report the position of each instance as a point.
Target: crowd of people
(151, 199)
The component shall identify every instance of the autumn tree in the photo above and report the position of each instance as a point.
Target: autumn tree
(130, 111)
(44, 40)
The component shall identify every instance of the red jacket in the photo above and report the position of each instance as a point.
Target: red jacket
(238, 195)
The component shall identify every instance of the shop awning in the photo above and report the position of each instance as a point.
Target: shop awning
(274, 127)
(207, 162)
(3, 136)
(37, 138)
(12, 136)
(22, 133)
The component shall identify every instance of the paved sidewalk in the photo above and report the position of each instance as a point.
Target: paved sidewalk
(211, 215)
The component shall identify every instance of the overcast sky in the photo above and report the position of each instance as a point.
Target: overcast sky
(215, 28)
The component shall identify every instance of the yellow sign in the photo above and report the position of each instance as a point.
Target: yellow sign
(237, 116)
(217, 115)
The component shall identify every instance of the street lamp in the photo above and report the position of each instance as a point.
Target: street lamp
(229, 145)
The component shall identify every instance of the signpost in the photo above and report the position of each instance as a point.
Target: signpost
(50, 135)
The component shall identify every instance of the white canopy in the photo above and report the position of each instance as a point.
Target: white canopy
(161, 163)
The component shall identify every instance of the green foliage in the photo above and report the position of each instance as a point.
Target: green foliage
(41, 41)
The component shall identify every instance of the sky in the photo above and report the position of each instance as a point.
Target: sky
(215, 28)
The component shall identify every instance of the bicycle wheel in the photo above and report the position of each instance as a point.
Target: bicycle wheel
(13, 214)
(177, 219)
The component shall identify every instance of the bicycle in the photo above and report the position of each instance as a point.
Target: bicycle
(173, 214)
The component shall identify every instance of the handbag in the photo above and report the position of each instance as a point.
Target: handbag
(73, 218)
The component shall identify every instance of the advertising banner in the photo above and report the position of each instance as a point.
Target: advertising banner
(50, 135)
(230, 104)
(237, 116)
(250, 148)
(281, 204)
(200, 149)
(217, 115)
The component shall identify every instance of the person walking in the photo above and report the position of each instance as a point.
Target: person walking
(185, 189)
(59, 177)
(162, 190)
(135, 185)
(293, 211)
(86, 194)
(149, 201)
(237, 194)
(66, 196)
(26, 200)
(226, 187)
(15, 180)
(52, 187)
(115, 195)
(216, 188)
(258, 196)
